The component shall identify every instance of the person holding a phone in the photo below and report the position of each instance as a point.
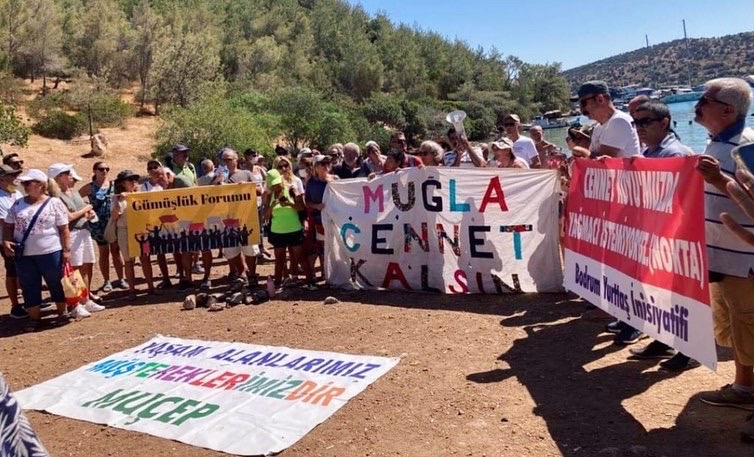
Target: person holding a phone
(722, 110)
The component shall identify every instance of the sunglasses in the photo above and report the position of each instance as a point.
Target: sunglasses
(283, 166)
(583, 101)
(105, 169)
(646, 121)
(703, 100)
(16, 162)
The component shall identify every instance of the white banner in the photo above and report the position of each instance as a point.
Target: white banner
(237, 398)
(445, 229)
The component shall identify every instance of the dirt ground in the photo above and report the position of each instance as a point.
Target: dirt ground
(479, 375)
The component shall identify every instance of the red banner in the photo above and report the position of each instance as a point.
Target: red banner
(635, 245)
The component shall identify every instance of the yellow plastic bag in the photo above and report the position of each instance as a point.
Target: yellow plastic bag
(74, 286)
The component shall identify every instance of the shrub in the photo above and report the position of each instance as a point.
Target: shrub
(108, 110)
(42, 105)
(58, 124)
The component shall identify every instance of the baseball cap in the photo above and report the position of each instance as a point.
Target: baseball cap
(8, 170)
(513, 117)
(180, 148)
(57, 168)
(502, 143)
(33, 174)
(591, 88)
(322, 159)
(305, 152)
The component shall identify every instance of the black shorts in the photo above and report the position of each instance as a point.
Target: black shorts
(10, 266)
(286, 240)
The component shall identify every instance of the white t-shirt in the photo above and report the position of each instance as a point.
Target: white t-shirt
(525, 149)
(6, 201)
(147, 186)
(617, 132)
(44, 237)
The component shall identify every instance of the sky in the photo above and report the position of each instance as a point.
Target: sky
(573, 33)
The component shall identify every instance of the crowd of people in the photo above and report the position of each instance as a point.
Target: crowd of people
(52, 224)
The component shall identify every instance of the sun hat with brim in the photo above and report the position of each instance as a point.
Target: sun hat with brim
(8, 170)
(180, 148)
(127, 174)
(274, 178)
(33, 174)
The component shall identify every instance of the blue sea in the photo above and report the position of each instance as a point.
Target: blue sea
(691, 133)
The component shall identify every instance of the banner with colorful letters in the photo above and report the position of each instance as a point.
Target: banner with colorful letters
(238, 398)
(446, 230)
(635, 247)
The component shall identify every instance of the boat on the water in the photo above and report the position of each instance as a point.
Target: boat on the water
(554, 120)
(681, 94)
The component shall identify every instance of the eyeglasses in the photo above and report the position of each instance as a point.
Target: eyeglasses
(582, 102)
(645, 121)
(105, 169)
(509, 124)
(16, 163)
(703, 100)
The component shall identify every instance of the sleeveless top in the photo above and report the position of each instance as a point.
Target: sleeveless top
(100, 199)
(74, 202)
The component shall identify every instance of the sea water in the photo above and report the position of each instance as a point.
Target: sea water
(692, 134)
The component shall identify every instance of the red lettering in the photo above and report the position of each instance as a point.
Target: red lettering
(499, 197)
(394, 273)
(460, 277)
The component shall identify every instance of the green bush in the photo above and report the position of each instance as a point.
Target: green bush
(212, 124)
(41, 105)
(108, 110)
(58, 124)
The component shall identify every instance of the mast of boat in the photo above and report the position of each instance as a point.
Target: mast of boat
(650, 73)
(688, 52)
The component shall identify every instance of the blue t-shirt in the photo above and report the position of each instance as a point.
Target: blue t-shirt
(315, 193)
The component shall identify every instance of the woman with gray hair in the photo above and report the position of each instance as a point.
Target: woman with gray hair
(431, 153)
(374, 159)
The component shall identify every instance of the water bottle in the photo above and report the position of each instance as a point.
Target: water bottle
(222, 171)
(270, 286)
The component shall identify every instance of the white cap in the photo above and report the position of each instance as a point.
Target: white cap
(57, 168)
(33, 175)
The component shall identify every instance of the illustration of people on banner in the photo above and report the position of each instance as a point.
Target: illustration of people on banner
(193, 219)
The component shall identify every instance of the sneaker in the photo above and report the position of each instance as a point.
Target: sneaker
(654, 350)
(18, 313)
(44, 307)
(628, 335)
(107, 287)
(232, 276)
(92, 307)
(183, 286)
(728, 396)
(79, 312)
(310, 286)
(205, 285)
(95, 298)
(120, 284)
(614, 327)
(679, 362)
(197, 269)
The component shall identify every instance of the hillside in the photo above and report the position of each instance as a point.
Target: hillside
(671, 63)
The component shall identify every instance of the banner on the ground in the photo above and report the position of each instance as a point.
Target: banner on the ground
(238, 398)
(192, 219)
(635, 247)
(445, 229)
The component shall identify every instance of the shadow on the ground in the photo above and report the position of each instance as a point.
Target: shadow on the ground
(583, 409)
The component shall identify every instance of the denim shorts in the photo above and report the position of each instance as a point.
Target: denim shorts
(32, 269)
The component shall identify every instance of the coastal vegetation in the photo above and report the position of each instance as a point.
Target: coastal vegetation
(252, 73)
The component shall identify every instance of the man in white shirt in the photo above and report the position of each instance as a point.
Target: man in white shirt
(8, 195)
(523, 147)
(615, 135)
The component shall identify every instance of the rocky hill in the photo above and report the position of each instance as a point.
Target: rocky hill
(673, 63)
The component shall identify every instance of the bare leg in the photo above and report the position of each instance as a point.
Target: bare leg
(280, 262)
(129, 267)
(104, 261)
(207, 263)
(146, 267)
(162, 262)
(117, 260)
